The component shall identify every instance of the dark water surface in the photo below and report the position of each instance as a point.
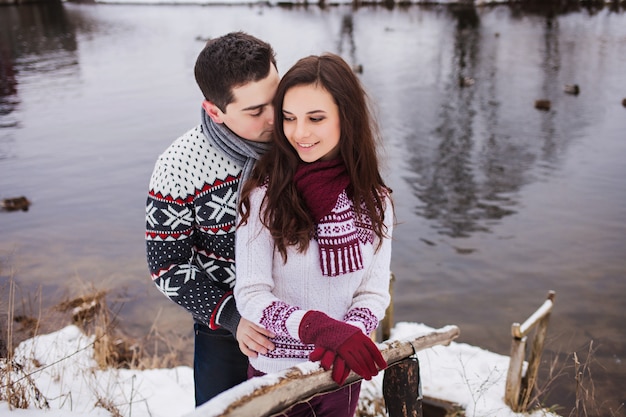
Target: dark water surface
(498, 202)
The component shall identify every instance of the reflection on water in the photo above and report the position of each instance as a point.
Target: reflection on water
(445, 183)
(346, 46)
(34, 41)
(497, 201)
(468, 174)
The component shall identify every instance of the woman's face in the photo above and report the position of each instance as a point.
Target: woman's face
(311, 122)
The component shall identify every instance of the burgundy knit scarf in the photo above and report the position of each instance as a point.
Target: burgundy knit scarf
(323, 185)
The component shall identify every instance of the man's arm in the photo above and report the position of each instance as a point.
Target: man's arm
(191, 263)
(190, 236)
(174, 272)
(174, 268)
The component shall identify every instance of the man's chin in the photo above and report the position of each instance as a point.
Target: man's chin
(266, 137)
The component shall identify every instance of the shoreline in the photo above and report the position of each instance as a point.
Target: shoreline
(460, 375)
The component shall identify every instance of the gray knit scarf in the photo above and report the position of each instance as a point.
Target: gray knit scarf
(242, 151)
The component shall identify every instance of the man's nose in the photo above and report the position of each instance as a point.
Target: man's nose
(270, 115)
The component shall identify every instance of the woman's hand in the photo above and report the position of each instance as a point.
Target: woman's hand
(253, 339)
(329, 359)
(348, 342)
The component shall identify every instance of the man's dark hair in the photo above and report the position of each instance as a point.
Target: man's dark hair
(231, 61)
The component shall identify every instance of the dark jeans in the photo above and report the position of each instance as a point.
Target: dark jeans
(340, 403)
(218, 364)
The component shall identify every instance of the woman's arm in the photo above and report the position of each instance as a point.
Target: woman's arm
(254, 254)
(372, 297)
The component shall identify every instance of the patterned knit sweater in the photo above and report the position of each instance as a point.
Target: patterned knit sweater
(190, 225)
(277, 295)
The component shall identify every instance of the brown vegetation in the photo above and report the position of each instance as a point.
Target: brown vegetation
(96, 317)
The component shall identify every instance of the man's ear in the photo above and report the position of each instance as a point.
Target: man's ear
(213, 111)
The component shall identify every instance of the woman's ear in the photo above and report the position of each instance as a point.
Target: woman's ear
(213, 111)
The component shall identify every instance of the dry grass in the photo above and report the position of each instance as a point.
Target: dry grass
(96, 317)
(17, 388)
(113, 348)
(109, 406)
(586, 403)
(572, 368)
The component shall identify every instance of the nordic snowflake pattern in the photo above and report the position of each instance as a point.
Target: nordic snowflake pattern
(190, 222)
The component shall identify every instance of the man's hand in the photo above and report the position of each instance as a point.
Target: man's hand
(253, 339)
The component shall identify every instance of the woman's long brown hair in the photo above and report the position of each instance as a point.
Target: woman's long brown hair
(283, 211)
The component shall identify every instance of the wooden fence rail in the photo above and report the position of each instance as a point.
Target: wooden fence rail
(519, 389)
(270, 394)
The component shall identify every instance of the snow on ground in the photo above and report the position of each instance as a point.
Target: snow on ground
(63, 374)
(276, 2)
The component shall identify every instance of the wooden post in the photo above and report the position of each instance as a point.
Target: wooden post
(519, 389)
(514, 373)
(387, 323)
(529, 381)
(402, 389)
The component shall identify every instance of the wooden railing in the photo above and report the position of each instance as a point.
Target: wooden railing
(270, 394)
(519, 389)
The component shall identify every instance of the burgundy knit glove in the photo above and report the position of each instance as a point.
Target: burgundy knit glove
(329, 359)
(355, 349)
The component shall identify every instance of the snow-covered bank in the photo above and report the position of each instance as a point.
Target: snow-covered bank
(316, 2)
(303, 2)
(61, 367)
(59, 370)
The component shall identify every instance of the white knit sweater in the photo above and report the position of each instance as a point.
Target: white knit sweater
(277, 295)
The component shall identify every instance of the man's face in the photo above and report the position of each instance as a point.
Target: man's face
(250, 115)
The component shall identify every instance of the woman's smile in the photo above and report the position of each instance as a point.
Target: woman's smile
(311, 122)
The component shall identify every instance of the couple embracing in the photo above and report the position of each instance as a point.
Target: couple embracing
(281, 175)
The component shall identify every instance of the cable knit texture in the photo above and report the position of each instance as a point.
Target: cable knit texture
(277, 295)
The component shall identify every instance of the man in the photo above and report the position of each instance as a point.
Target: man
(192, 204)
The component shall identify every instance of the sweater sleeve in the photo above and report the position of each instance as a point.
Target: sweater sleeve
(254, 250)
(372, 297)
(200, 286)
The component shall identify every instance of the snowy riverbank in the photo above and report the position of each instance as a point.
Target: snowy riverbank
(321, 2)
(59, 370)
(303, 2)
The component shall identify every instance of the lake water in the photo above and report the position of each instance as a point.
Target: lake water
(498, 202)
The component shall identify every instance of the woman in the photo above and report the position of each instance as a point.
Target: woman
(313, 245)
